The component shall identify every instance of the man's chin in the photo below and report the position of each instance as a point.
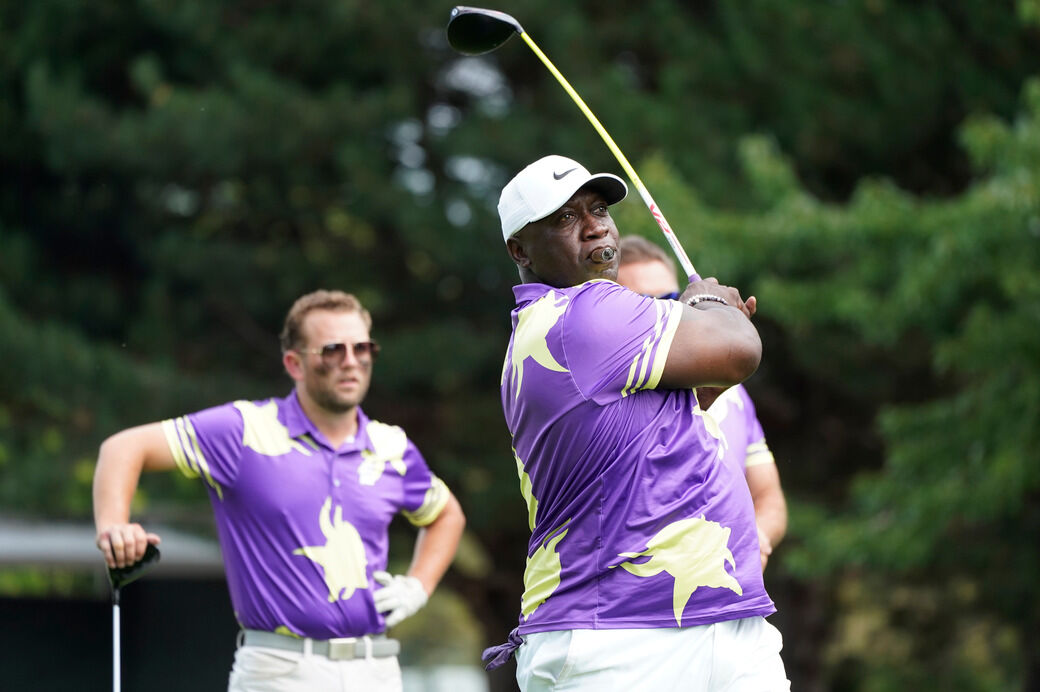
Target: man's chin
(602, 271)
(610, 273)
(593, 272)
(339, 404)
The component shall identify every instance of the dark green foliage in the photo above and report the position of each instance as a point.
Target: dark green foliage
(176, 173)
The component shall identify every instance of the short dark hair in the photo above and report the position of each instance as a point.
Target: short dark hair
(337, 301)
(636, 248)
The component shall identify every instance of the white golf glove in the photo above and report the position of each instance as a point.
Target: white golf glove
(400, 597)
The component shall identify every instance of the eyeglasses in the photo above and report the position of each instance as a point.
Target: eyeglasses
(674, 295)
(334, 355)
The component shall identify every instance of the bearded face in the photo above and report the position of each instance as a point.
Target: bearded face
(336, 379)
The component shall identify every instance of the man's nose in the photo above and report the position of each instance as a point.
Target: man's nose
(595, 226)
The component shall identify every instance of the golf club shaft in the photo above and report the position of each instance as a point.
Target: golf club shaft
(655, 211)
(116, 666)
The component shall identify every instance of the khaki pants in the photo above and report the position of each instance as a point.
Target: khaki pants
(259, 669)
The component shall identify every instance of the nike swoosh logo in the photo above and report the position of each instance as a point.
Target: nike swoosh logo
(558, 176)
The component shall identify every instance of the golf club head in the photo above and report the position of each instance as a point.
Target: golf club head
(121, 576)
(475, 31)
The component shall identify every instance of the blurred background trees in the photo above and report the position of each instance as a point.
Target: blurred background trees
(175, 174)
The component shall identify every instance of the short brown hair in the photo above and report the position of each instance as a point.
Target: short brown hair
(337, 301)
(636, 248)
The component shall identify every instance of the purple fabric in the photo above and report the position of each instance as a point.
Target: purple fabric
(302, 526)
(496, 656)
(735, 413)
(633, 512)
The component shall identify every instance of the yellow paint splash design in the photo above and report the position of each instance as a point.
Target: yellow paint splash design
(720, 408)
(264, 433)
(529, 339)
(717, 413)
(526, 491)
(542, 575)
(712, 426)
(388, 446)
(695, 553)
(282, 629)
(342, 557)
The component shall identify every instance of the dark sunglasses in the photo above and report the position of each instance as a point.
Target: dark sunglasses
(334, 355)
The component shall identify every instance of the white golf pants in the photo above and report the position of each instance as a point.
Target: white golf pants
(259, 669)
(732, 656)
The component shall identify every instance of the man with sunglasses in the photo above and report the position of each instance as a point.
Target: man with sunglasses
(303, 490)
(647, 269)
(643, 568)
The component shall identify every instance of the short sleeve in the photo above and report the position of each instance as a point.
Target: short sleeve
(207, 445)
(617, 341)
(757, 451)
(425, 495)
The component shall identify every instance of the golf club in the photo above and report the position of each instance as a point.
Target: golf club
(475, 31)
(119, 577)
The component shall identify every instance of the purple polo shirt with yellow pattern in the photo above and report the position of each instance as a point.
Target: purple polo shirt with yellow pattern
(743, 440)
(302, 526)
(635, 521)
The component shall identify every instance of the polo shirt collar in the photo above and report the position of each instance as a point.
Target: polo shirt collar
(298, 425)
(528, 293)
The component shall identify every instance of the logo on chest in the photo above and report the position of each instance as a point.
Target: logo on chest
(342, 558)
(389, 444)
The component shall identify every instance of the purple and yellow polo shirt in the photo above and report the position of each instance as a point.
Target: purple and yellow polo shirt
(742, 438)
(302, 526)
(635, 521)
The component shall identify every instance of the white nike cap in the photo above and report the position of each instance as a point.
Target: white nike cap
(545, 186)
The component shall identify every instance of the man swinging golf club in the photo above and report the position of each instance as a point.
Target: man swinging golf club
(643, 567)
(303, 489)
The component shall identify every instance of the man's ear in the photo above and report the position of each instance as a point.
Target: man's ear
(293, 365)
(517, 252)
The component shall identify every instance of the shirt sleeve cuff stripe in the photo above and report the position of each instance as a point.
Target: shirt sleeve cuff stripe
(169, 428)
(433, 504)
(758, 454)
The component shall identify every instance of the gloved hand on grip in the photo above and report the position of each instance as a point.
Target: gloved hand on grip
(400, 597)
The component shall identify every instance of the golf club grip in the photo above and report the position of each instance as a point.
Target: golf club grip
(655, 211)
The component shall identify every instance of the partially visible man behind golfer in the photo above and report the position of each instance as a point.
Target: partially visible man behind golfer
(647, 269)
(643, 567)
(303, 489)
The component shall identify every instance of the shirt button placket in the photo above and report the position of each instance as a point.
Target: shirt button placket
(335, 471)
